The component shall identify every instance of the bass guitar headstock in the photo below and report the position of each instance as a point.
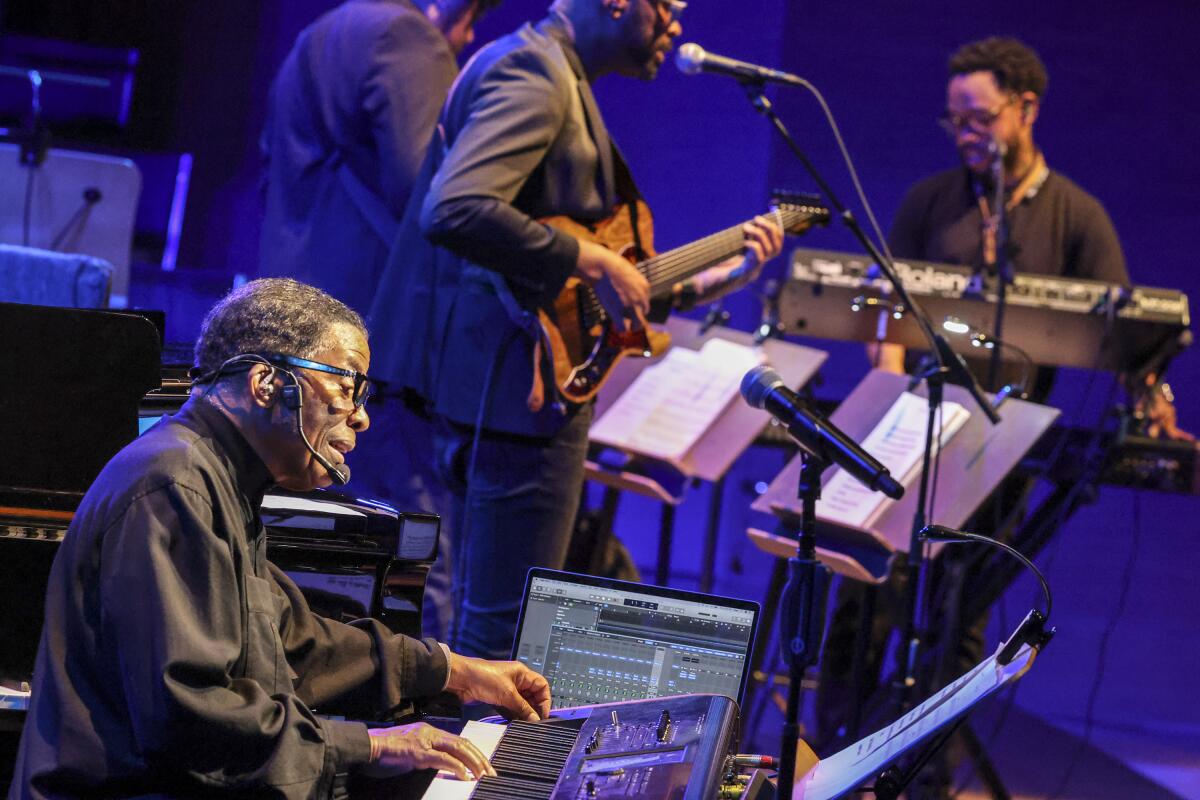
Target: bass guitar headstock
(798, 211)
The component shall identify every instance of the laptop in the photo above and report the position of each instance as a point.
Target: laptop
(600, 640)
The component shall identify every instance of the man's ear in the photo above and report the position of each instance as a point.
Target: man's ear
(1030, 105)
(260, 382)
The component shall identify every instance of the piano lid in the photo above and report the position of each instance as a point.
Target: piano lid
(72, 381)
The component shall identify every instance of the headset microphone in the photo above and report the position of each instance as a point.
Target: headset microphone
(339, 473)
(293, 400)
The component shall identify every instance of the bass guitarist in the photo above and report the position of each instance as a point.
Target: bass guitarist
(455, 317)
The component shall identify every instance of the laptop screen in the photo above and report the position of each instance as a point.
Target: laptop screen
(599, 640)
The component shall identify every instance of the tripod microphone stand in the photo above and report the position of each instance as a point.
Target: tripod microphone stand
(802, 606)
(950, 368)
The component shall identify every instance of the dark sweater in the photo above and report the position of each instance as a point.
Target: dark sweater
(175, 660)
(1061, 230)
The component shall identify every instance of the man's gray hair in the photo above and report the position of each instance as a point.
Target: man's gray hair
(269, 315)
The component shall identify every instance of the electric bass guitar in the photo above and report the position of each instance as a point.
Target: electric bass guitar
(585, 343)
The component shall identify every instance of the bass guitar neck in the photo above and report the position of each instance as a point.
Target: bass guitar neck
(584, 343)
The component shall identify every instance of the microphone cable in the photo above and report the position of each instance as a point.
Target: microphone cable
(850, 169)
(1089, 714)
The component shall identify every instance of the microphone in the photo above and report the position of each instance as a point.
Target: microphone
(339, 473)
(763, 388)
(692, 60)
(293, 400)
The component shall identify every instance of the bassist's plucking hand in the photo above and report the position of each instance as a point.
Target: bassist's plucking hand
(622, 289)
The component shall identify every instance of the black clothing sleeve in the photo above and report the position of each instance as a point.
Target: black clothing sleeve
(360, 670)
(169, 603)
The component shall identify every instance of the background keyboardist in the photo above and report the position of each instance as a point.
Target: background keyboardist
(1053, 227)
(175, 660)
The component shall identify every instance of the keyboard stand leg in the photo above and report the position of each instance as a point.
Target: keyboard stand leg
(708, 562)
(666, 532)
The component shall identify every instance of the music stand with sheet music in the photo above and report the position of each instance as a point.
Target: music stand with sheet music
(932, 721)
(972, 464)
(732, 430)
(72, 203)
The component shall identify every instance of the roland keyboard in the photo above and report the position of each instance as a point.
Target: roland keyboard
(1058, 321)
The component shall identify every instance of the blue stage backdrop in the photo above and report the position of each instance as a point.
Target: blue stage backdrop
(1120, 113)
(1120, 109)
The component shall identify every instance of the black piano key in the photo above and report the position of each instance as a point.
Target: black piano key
(530, 753)
(502, 788)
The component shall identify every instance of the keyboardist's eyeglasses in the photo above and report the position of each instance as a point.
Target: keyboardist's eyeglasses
(979, 120)
(363, 383)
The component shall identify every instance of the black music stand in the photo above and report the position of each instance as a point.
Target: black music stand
(973, 463)
(929, 724)
(710, 458)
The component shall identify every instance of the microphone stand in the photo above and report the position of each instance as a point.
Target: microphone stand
(802, 606)
(1001, 265)
(802, 620)
(950, 367)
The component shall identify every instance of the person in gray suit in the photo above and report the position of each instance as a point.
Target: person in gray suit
(352, 112)
(520, 139)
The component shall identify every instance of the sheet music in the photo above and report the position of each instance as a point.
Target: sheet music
(898, 441)
(666, 410)
(866, 758)
(485, 736)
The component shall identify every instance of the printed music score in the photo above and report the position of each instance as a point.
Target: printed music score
(898, 441)
(866, 758)
(666, 410)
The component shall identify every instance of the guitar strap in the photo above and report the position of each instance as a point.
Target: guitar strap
(627, 192)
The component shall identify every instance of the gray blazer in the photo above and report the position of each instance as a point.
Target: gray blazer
(351, 114)
(520, 138)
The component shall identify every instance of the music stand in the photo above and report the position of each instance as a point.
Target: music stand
(78, 203)
(973, 462)
(932, 721)
(713, 454)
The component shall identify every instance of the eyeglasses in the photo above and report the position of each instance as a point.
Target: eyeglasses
(363, 383)
(674, 9)
(977, 119)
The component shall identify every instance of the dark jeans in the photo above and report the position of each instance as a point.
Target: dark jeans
(517, 512)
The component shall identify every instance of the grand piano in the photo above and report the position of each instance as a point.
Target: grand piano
(76, 387)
